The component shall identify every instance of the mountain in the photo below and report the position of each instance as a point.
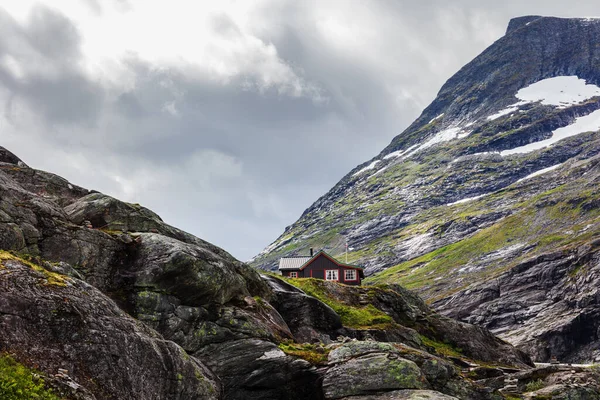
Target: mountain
(487, 205)
(101, 299)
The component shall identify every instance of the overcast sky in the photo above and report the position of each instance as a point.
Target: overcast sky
(229, 118)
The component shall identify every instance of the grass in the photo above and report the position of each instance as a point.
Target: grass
(534, 385)
(52, 278)
(18, 382)
(442, 348)
(306, 351)
(543, 228)
(352, 316)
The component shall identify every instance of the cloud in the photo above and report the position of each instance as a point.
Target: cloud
(228, 118)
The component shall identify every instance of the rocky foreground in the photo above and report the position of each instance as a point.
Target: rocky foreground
(100, 299)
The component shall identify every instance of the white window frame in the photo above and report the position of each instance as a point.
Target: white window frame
(335, 274)
(353, 278)
(293, 274)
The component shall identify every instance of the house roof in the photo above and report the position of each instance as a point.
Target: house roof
(322, 252)
(300, 263)
(293, 262)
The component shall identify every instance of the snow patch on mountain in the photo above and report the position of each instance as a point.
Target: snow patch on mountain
(438, 117)
(380, 171)
(540, 172)
(502, 113)
(466, 200)
(367, 168)
(399, 153)
(440, 137)
(560, 91)
(443, 136)
(588, 123)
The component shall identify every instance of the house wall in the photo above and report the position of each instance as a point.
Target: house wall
(317, 268)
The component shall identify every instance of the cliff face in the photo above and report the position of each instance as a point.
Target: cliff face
(489, 199)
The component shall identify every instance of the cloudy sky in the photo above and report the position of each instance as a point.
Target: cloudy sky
(229, 118)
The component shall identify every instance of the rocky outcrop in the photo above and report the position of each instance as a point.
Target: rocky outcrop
(255, 369)
(411, 320)
(547, 305)
(76, 335)
(385, 370)
(308, 318)
(405, 395)
(188, 290)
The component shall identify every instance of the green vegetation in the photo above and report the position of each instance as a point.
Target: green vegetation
(548, 221)
(352, 316)
(52, 278)
(444, 349)
(534, 385)
(18, 382)
(314, 354)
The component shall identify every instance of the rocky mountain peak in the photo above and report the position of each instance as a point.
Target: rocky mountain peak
(533, 49)
(9, 158)
(520, 22)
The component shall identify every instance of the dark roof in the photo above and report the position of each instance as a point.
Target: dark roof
(289, 263)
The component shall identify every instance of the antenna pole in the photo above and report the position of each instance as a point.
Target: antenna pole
(346, 250)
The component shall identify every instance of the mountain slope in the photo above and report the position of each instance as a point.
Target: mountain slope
(501, 169)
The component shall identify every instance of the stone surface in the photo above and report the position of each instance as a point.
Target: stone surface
(369, 373)
(379, 369)
(255, 369)
(405, 395)
(308, 318)
(56, 322)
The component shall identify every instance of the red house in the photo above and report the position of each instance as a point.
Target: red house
(321, 266)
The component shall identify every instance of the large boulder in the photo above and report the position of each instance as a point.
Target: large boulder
(253, 369)
(308, 318)
(56, 322)
(368, 368)
(375, 372)
(405, 395)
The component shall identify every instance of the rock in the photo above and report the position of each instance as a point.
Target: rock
(479, 373)
(64, 325)
(307, 317)
(405, 395)
(368, 369)
(105, 212)
(255, 369)
(195, 274)
(542, 309)
(9, 158)
(371, 373)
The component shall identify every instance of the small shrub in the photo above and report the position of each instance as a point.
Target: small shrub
(534, 385)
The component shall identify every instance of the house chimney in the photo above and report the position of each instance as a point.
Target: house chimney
(311, 252)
